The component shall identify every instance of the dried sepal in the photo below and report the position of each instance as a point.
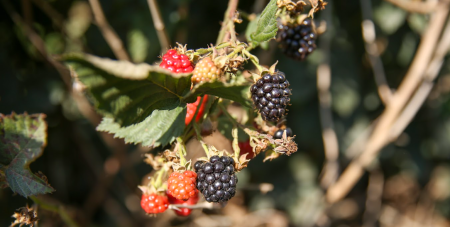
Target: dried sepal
(25, 216)
(271, 155)
(237, 18)
(291, 6)
(316, 5)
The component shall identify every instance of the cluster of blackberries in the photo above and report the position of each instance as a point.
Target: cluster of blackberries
(270, 95)
(279, 134)
(297, 40)
(216, 179)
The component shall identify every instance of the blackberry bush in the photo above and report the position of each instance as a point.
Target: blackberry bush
(271, 96)
(297, 41)
(147, 104)
(216, 179)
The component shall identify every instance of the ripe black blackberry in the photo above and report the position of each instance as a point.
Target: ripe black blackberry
(270, 95)
(279, 134)
(297, 40)
(216, 179)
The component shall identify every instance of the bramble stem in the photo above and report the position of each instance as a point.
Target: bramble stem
(181, 151)
(232, 6)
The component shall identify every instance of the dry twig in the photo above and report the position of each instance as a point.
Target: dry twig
(373, 53)
(159, 25)
(108, 32)
(381, 133)
(423, 7)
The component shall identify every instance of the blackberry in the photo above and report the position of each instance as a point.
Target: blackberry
(279, 134)
(270, 95)
(297, 40)
(216, 179)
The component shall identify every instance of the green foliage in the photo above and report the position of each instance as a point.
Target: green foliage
(22, 139)
(127, 92)
(142, 103)
(237, 93)
(160, 128)
(266, 28)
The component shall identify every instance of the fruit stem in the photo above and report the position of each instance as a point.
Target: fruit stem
(225, 111)
(211, 49)
(236, 148)
(205, 148)
(181, 151)
(236, 51)
(253, 59)
(157, 183)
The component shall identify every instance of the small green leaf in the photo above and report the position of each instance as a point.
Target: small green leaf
(237, 93)
(160, 128)
(266, 28)
(22, 139)
(251, 28)
(128, 92)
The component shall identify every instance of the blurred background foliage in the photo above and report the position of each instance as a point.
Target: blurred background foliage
(97, 186)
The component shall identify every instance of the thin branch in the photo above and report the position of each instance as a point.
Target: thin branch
(372, 52)
(229, 14)
(381, 133)
(56, 209)
(330, 142)
(413, 106)
(108, 32)
(423, 7)
(159, 25)
(425, 88)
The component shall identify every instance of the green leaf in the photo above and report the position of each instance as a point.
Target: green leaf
(127, 92)
(237, 93)
(22, 139)
(266, 28)
(160, 128)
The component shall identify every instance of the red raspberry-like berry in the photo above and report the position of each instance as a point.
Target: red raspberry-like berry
(246, 149)
(182, 185)
(154, 204)
(177, 63)
(205, 71)
(192, 107)
(183, 211)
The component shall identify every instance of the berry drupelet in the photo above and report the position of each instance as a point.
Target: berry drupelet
(154, 203)
(216, 179)
(271, 96)
(205, 71)
(176, 63)
(297, 40)
(279, 134)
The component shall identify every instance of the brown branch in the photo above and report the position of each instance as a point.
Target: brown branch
(381, 133)
(372, 51)
(159, 25)
(423, 7)
(108, 32)
(330, 142)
